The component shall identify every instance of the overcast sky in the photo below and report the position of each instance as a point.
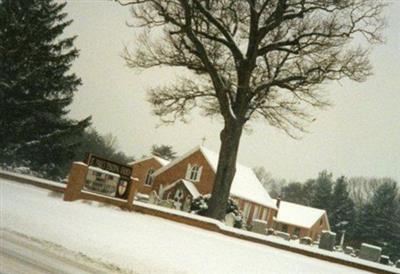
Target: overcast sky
(358, 136)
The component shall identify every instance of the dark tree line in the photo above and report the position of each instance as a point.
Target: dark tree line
(367, 209)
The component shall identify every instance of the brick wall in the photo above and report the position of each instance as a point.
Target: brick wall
(140, 170)
(206, 183)
(178, 171)
(312, 232)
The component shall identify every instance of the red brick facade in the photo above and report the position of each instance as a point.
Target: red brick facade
(300, 232)
(204, 185)
(178, 171)
(140, 170)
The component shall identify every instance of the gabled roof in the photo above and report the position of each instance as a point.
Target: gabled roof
(299, 215)
(245, 184)
(162, 161)
(189, 186)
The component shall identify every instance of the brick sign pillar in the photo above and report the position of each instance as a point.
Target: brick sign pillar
(76, 181)
(134, 185)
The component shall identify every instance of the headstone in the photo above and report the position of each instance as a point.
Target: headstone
(398, 263)
(283, 235)
(230, 219)
(259, 226)
(153, 197)
(142, 197)
(338, 248)
(187, 204)
(166, 203)
(327, 240)
(306, 241)
(370, 252)
(384, 260)
(348, 250)
(177, 204)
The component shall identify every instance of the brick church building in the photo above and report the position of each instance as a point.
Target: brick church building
(192, 174)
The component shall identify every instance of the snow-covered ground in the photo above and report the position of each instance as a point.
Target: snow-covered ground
(142, 243)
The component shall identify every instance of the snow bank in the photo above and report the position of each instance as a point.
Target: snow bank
(140, 242)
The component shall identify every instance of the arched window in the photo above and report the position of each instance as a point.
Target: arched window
(193, 173)
(149, 177)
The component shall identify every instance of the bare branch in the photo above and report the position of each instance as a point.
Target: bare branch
(265, 59)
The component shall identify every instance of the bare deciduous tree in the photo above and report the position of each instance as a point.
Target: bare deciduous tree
(362, 189)
(252, 59)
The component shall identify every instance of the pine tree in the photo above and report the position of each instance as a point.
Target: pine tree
(322, 191)
(163, 151)
(309, 191)
(36, 86)
(294, 192)
(342, 212)
(100, 145)
(380, 219)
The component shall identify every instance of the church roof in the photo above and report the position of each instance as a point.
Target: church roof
(299, 215)
(245, 184)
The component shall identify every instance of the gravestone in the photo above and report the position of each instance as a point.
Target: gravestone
(370, 252)
(283, 235)
(259, 226)
(166, 203)
(348, 250)
(230, 219)
(177, 204)
(270, 231)
(398, 263)
(327, 240)
(384, 260)
(142, 197)
(306, 241)
(187, 204)
(153, 198)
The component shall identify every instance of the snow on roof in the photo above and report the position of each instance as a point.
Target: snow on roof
(298, 215)
(192, 188)
(189, 186)
(245, 183)
(162, 161)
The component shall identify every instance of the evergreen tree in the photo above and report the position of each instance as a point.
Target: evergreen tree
(380, 218)
(309, 191)
(100, 145)
(36, 86)
(294, 192)
(342, 212)
(322, 191)
(163, 151)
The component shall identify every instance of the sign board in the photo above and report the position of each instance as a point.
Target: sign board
(124, 171)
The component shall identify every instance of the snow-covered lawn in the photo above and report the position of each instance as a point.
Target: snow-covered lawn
(142, 243)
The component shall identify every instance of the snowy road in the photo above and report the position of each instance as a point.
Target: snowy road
(140, 243)
(19, 254)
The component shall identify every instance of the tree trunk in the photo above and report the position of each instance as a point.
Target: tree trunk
(230, 138)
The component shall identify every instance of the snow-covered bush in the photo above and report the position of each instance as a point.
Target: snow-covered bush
(200, 205)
